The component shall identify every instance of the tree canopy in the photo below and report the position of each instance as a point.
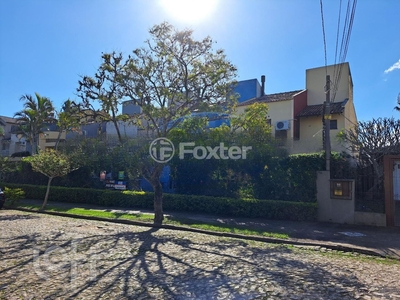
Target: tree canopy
(52, 164)
(32, 118)
(170, 77)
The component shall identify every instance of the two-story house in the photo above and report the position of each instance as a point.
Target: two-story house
(10, 141)
(296, 116)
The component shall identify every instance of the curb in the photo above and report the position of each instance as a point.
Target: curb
(331, 246)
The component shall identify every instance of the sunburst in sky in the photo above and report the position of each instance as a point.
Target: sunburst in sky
(189, 10)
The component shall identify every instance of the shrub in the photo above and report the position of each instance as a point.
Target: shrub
(252, 208)
(13, 195)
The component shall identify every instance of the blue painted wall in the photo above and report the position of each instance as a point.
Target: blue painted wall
(215, 120)
(165, 180)
(248, 89)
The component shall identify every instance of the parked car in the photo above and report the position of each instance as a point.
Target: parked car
(2, 198)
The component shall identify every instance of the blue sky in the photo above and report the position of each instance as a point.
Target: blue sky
(45, 45)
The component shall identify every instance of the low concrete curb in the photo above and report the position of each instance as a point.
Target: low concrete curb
(296, 242)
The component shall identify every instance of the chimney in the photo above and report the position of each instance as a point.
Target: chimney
(262, 85)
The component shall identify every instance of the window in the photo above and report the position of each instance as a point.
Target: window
(334, 124)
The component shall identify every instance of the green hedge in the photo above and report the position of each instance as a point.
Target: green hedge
(254, 208)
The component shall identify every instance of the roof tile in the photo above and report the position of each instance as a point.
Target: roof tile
(316, 110)
(271, 98)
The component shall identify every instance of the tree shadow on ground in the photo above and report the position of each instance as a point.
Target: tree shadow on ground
(162, 264)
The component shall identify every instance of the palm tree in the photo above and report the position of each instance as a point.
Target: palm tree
(68, 119)
(32, 118)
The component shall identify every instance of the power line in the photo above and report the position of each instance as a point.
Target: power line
(323, 33)
(347, 28)
(337, 77)
(337, 40)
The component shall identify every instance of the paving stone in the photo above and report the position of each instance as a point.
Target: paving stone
(47, 257)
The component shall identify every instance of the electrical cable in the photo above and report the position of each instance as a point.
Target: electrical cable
(323, 34)
(345, 44)
(337, 40)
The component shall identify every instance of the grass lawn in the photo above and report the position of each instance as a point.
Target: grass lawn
(148, 218)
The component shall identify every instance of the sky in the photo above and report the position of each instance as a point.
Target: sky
(46, 45)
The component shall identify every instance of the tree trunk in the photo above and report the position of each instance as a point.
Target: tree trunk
(58, 139)
(158, 204)
(34, 144)
(158, 194)
(47, 193)
(116, 124)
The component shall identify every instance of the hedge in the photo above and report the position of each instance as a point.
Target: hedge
(253, 208)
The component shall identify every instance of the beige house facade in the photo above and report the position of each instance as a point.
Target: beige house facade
(48, 139)
(297, 116)
(11, 142)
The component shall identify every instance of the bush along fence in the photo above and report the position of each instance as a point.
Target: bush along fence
(252, 208)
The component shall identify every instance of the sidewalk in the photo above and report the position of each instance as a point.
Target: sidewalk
(384, 241)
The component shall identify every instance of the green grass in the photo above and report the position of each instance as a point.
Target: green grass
(148, 218)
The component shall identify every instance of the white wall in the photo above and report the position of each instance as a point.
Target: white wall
(127, 130)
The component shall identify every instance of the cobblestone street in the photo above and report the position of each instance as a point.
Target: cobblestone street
(47, 257)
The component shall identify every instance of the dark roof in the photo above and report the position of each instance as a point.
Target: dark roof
(8, 119)
(316, 110)
(271, 98)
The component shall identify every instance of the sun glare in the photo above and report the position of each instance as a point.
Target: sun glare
(189, 10)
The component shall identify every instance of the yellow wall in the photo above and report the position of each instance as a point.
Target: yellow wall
(48, 139)
(281, 111)
(311, 136)
(277, 111)
(316, 81)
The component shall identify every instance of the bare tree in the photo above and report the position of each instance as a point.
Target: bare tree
(373, 140)
(104, 88)
(397, 107)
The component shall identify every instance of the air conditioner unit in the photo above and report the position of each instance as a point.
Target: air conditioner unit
(282, 125)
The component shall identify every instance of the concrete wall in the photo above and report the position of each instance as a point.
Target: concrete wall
(129, 108)
(17, 145)
(127, 130)
(367, 218)
(310, 139)
(277, 111)
(329, 209)
(281, 111)
(316, 81)
(48, 139)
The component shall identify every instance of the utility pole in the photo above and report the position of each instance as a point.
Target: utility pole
(327, 120)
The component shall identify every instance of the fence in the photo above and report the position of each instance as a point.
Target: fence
(369, 190)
